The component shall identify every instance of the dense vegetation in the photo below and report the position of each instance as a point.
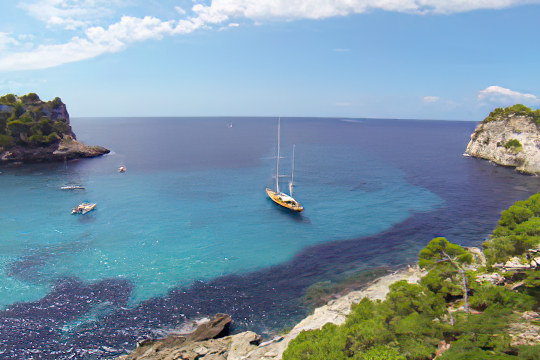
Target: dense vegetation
(28, 121)
(517, 231)
(517, 109)
(451, 305)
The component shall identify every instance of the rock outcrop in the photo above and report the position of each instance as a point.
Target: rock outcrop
(509, 137)
(247, 345)
(206, 342)
(32, 130)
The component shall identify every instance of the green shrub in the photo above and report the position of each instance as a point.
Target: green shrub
(444, 281)
(531, 227)
(518, 231)
(51, 138)
(56, 102)
(480, 336)
(529, 352)
(514, 215)
(17, 127)
(8, 99)
(30, 98)
(36, 140)
(61, 127)
(45, 126)
(3, 123)
(6, 141)
(327, 343)
(433, 253)
(518, 109)
(513, 144)
(18, 110)
(380, 352)
(531, 283)
(489, 295)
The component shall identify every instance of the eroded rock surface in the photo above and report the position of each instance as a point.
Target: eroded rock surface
(509, 140)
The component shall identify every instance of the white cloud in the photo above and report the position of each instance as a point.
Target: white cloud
(70, 14)
(97, 40)
(180, 10)
(503, 96)
(431, 99)
(319, 9)
(6, 40)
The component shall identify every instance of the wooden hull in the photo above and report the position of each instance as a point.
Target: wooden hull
(292, 205)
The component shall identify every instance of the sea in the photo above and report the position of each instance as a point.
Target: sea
(188, 230)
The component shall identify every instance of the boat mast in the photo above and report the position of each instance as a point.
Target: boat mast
(291, 184)
(277, 162)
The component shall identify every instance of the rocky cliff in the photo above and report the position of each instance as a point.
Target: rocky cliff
(509, 137)
(32, 130)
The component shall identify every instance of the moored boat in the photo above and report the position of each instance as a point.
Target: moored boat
(277, 196)
(284, 200)
(72, 187)
(83, 208)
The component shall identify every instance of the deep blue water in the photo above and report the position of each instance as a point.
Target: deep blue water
(188, 231)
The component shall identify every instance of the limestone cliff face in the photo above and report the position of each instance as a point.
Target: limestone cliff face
(508, 139)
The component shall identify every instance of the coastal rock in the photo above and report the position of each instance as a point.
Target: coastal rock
(527, 331)
(200, 344)
(215, 327)
(32, 130)
(242, 345)
(73, 149)
(509, 137)
(247, 345)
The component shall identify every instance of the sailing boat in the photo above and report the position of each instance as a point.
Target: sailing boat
(280, 198)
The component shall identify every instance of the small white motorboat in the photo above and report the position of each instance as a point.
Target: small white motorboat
(83, 208)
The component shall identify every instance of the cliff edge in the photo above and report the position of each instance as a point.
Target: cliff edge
(32, 130)
(509, 137)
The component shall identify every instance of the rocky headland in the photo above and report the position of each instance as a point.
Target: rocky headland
(509, 137)
(32, 130)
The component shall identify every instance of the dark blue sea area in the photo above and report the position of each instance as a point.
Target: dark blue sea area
(188, 231)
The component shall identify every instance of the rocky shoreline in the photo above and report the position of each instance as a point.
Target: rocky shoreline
(210, 340)
(67, 149)
(205, 343)
(508, 137)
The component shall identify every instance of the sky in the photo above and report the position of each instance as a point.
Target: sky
(409, 59)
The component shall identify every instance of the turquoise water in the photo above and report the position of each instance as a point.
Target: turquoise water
(188, 231)
(163, 228)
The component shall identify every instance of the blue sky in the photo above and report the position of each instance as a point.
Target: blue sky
(426, 59)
